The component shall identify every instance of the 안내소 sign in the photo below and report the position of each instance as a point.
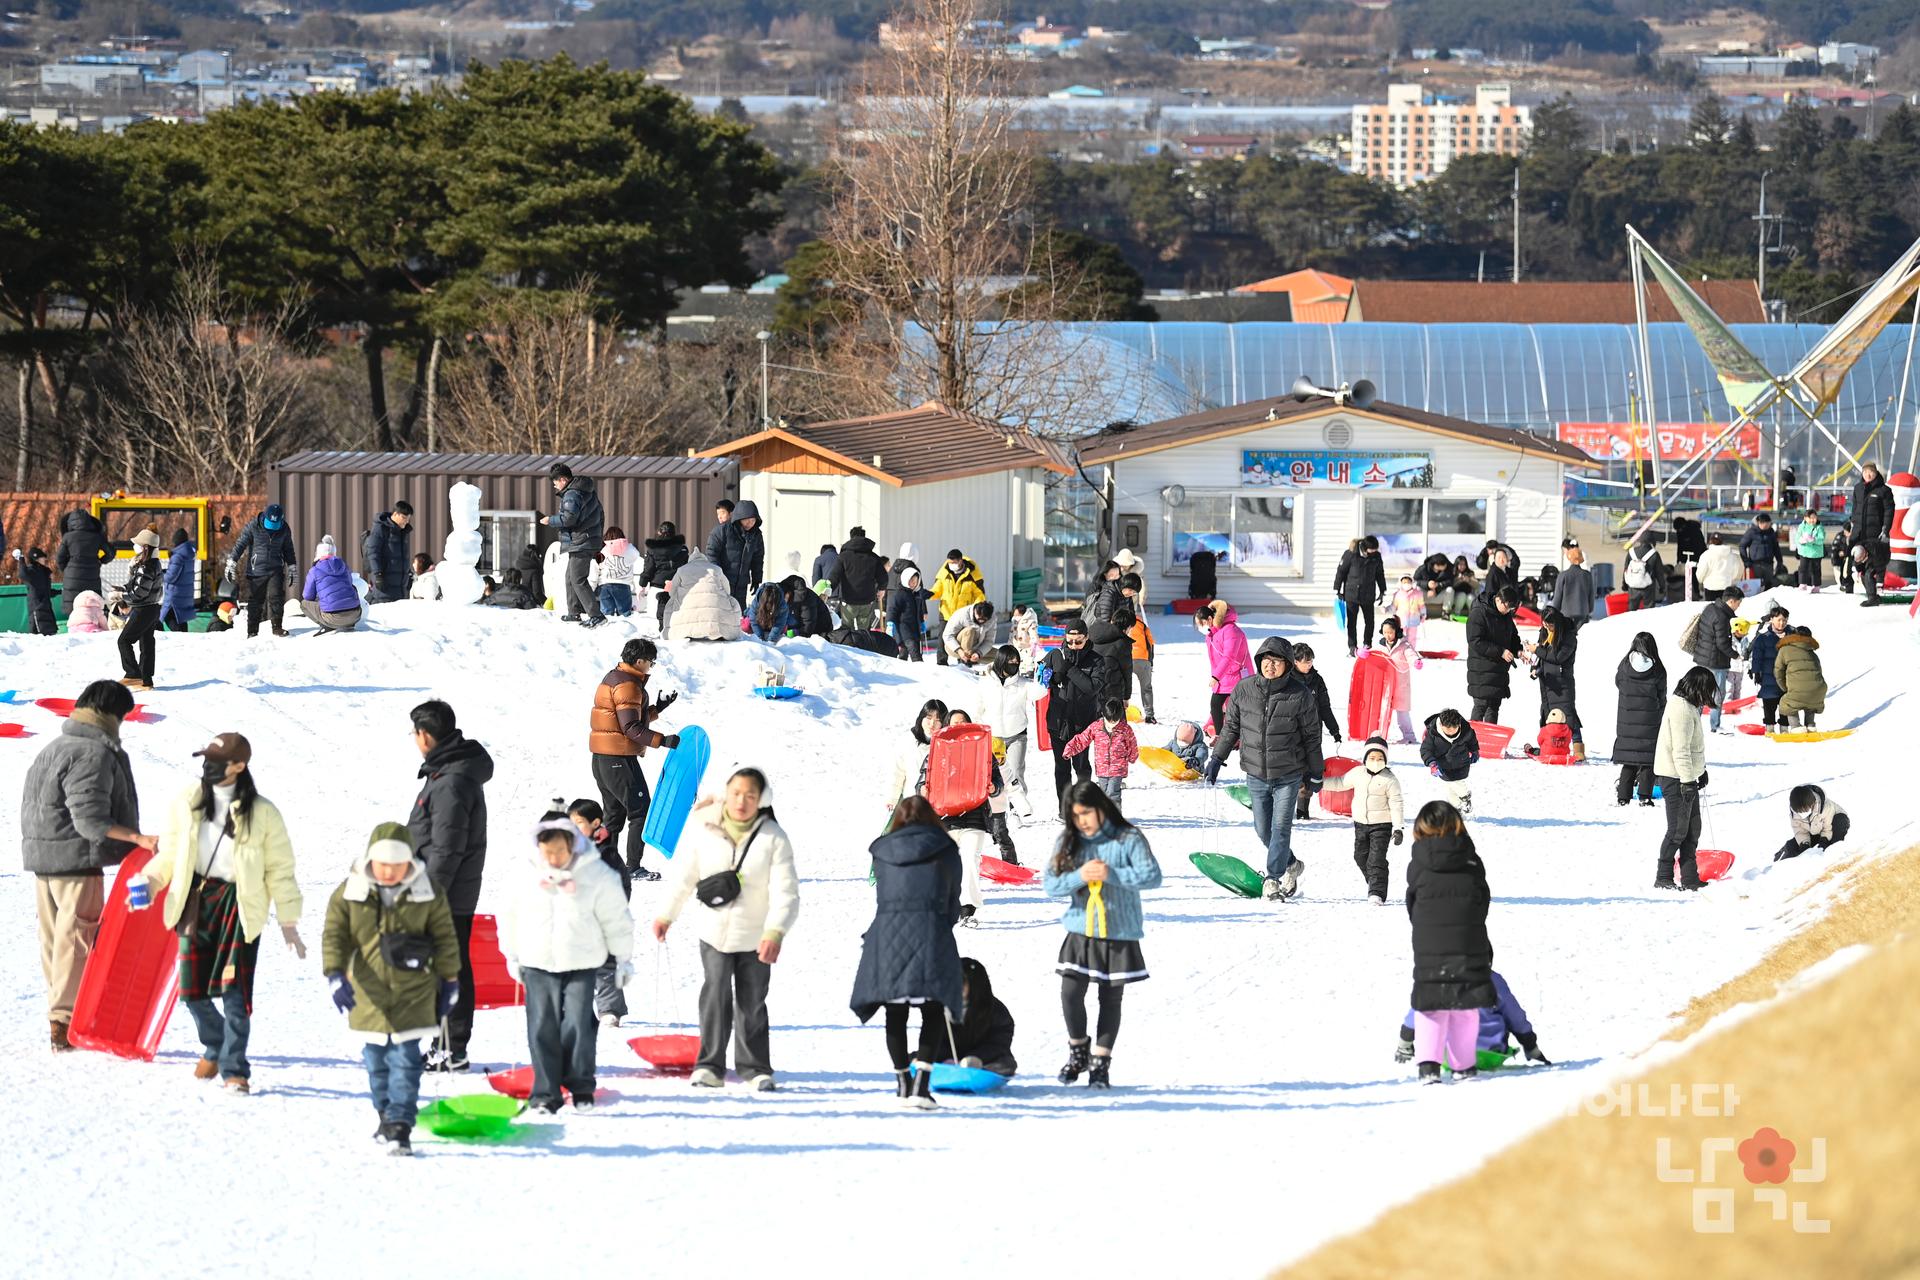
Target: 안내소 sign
(1335, 469)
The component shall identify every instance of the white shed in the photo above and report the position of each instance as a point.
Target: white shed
(1278, 488)
(925, 475)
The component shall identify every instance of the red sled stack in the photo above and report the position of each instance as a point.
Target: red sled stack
(127, 990)
(960, 769)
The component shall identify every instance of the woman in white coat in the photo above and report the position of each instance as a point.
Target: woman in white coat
(700, 603)
(1680, 767)
(740, 935)
(1006, 704)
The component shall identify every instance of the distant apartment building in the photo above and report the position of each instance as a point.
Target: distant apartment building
(1410, 139)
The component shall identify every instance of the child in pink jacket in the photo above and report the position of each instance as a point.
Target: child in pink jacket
(1227, 654)
(1114, 748)
(1394, 646)
(1409, 604)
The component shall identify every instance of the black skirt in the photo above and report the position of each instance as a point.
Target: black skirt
(1108, 961)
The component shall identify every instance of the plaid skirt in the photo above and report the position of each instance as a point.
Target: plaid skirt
(215, 956)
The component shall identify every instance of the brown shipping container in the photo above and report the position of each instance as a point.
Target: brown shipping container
(341, 493)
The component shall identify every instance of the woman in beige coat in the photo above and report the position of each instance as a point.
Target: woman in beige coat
(1680, 767)
(224, 859)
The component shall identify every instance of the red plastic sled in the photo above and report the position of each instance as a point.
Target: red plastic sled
(14, 731)
(1440, 655)
(1617, 602)
(127, 991)
(959, 769)
(1494, 738)
(1733, 705)
(1525, 617)
(62, 707)
(672, 1052)
(1895, 582)
(1757, 730)
(493, 986)
(518, 1083)
(1340, 802)
(1372, 679)
(1000, 871)
(1713, 864)
(1042, 740)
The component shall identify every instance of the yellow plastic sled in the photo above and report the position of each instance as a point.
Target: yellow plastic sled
(1167, 764)
(1818, 735)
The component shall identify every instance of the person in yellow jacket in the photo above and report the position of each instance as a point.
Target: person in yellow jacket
(224, 858)
(957, 586)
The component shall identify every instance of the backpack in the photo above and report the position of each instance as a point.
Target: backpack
(1690, 631)
(1637, 575)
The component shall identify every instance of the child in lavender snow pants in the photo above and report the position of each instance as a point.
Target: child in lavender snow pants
(1447, 900)
(1454, 1032)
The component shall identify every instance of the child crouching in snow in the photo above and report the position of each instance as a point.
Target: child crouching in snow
(1818, 822)
(1555, 743)
(566, 915)
(1796, 668)
(982, 1029)
(1377, 815)
(1114, 747)
(390, 954)
(1449, 750)
(1447, 899)
(1497, 1021)
(1191, 745)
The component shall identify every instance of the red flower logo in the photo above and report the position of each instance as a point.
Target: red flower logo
(1766, 1156)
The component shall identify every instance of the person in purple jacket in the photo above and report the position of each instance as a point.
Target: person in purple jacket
(1495, 1024)
(328, 599)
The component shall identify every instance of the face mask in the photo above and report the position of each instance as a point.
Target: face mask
(1376, 766)
(1805, 817)
(214, 771)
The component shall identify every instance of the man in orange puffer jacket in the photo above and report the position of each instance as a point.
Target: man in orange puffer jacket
(619, 734)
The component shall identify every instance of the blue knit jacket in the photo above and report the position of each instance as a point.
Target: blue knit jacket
(1131, 869)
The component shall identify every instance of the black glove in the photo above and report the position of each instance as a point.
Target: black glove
(538, 518)
(1398, 836)
(449, 997)
(1531, 1043)
(1700, 783)
(670, 741)
(1314, 784)
(342, 992)
(666, 700)
(1212, 772)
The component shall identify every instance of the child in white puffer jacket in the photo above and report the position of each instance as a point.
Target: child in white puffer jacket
(566, 915)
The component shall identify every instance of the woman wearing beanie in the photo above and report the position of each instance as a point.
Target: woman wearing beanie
(224, 859)
(328, 599)
(177, 607)
(142, 595)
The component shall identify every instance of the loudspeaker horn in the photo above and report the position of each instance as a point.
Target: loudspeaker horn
(1361, 394)
(1304, 389)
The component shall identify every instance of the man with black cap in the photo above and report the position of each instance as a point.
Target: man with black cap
(1073, 675)
(1871, 508)
(581, 521)
(858, 579)
(389, 562)
(1273, 720)
(265, 551)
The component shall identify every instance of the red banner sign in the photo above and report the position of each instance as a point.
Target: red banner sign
(1679, 441)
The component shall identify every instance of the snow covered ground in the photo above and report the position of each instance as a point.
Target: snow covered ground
(1256, 1112)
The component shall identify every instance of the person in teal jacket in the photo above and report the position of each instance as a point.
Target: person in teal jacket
(1101, 867)
(1810, 544)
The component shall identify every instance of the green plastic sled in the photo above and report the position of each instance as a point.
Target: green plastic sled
(473, 1115)
(1229, 873)
(1489, 1059)
(1238, 790)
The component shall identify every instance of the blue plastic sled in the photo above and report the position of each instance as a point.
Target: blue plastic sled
(776, 692)
(1340, 615)
(678, 788)
(949, 1078)
(7, 697)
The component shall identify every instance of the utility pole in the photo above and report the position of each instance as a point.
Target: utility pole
(1763, 218)
(765, 337)
(1516, 222)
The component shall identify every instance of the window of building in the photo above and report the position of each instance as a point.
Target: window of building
(1411, 529)
(1254, 533)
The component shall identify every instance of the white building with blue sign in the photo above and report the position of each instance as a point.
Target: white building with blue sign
(1279, 488)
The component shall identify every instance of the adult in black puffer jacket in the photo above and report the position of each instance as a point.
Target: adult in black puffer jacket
(805, 607)
(1871, 510)
(1110, 640)
(449, 829)
(1447, 900)
(1074, 676)
(265, 556)
(1559, 643)
(858, 579)
(1273, 721)
(666, 552)
(1492, 645)
(908, 952)
(1641, 679)
(83, 549)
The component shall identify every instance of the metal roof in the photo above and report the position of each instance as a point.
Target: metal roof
(926, 443)
(322, 461)
(1212, 424)
(1538, 302)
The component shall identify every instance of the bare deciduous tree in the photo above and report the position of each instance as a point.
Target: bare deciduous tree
(931, 226)
(206, 395)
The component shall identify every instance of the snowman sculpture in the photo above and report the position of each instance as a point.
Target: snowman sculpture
(457, 572)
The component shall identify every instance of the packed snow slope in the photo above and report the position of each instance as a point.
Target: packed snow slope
(1256, 1112)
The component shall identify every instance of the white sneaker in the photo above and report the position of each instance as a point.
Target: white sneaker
(1376, 900)
(763, 1084)
(1290, 880)
(1273, 889)
(609, 1019)
(703, 1078)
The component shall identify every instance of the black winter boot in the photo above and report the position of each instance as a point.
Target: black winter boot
(903, 1085)
(1076, 1062)
(1003, 839)
(400, 1140)
(921, 1095)
(1097, 1072)
(1429, 1073)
